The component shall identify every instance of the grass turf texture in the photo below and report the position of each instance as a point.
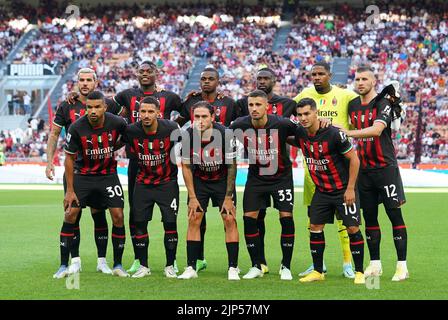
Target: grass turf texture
(30, 222)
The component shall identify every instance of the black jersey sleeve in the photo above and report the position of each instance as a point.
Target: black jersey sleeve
(113, 107)
(384, 112)
(341, 141)
(73, 141)
(59, 118)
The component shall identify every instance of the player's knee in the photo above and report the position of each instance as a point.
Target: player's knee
(352, 229)
(117, 217)
(316, 227)
(229, 221)
(194, 222)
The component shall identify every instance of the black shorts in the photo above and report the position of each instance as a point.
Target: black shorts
(257, 194)
(98, 191)
(211, 190)
(381, 186)
(165, 195)
(325, 205)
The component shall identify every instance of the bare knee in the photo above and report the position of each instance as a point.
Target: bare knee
(352, 229)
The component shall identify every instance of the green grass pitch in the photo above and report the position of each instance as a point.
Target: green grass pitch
(30, 222)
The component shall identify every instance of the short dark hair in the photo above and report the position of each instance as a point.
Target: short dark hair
(203, 104)
(95, 95)
(364, 68)
(150, 63)
(258, 93)
(211, 69)
(268, 70)
(324, 65)
(151, 100)
(307, 102)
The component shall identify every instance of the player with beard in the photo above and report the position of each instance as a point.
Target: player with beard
(225, 111)
(277, 105)
(130, 99)
(332, 103)
(156, 182)
(379, 178)
(66, 114)
(91, 174)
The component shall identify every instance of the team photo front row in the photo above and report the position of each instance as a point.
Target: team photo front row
(346, 181)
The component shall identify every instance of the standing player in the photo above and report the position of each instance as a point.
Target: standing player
(66, 114)
(379, 179)
(325, 151)
(130, 99)
(156, 182)
(209, 170)
(92, 178)
(332, 103)
(270, 175)
(277, 105)
(225, 111)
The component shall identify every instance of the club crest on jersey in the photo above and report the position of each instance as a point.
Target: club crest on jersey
(217, 111)
(109, 136)
(161, 144)
(274, 109)
(334, 102)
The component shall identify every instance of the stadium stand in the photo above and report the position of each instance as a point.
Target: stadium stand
(409, 44)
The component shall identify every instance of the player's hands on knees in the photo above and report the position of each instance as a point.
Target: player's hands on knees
(70, 197)
(72, 97)
(193, 208)
(324, 122)
(49, 171)
(349, 197)
(228, 207)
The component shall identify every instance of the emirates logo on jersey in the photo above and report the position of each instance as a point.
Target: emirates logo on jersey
(334, 102)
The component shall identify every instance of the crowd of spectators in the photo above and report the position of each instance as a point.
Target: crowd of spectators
(409, 44)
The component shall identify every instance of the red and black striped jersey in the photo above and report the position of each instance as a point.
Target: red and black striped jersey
(278, 105)
(266, 147)
(209, 158)
(225, 109)
(130, 100)
(324, 156)
(67, 113)
(95, 146)
(374, 152)
(153, 152)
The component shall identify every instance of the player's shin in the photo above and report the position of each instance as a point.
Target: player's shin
(373, 232)
(317, 247)
(262, 230)
(66, 241)
(118, 242)
(170, 241)
(101, 233)
(74, 249)
(287, 240)
(203, 228)
(357, 248)
(252, 240)
(142, 242)
(399, 232)
(232, 240)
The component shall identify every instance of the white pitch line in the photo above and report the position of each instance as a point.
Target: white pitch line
(183, 188)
